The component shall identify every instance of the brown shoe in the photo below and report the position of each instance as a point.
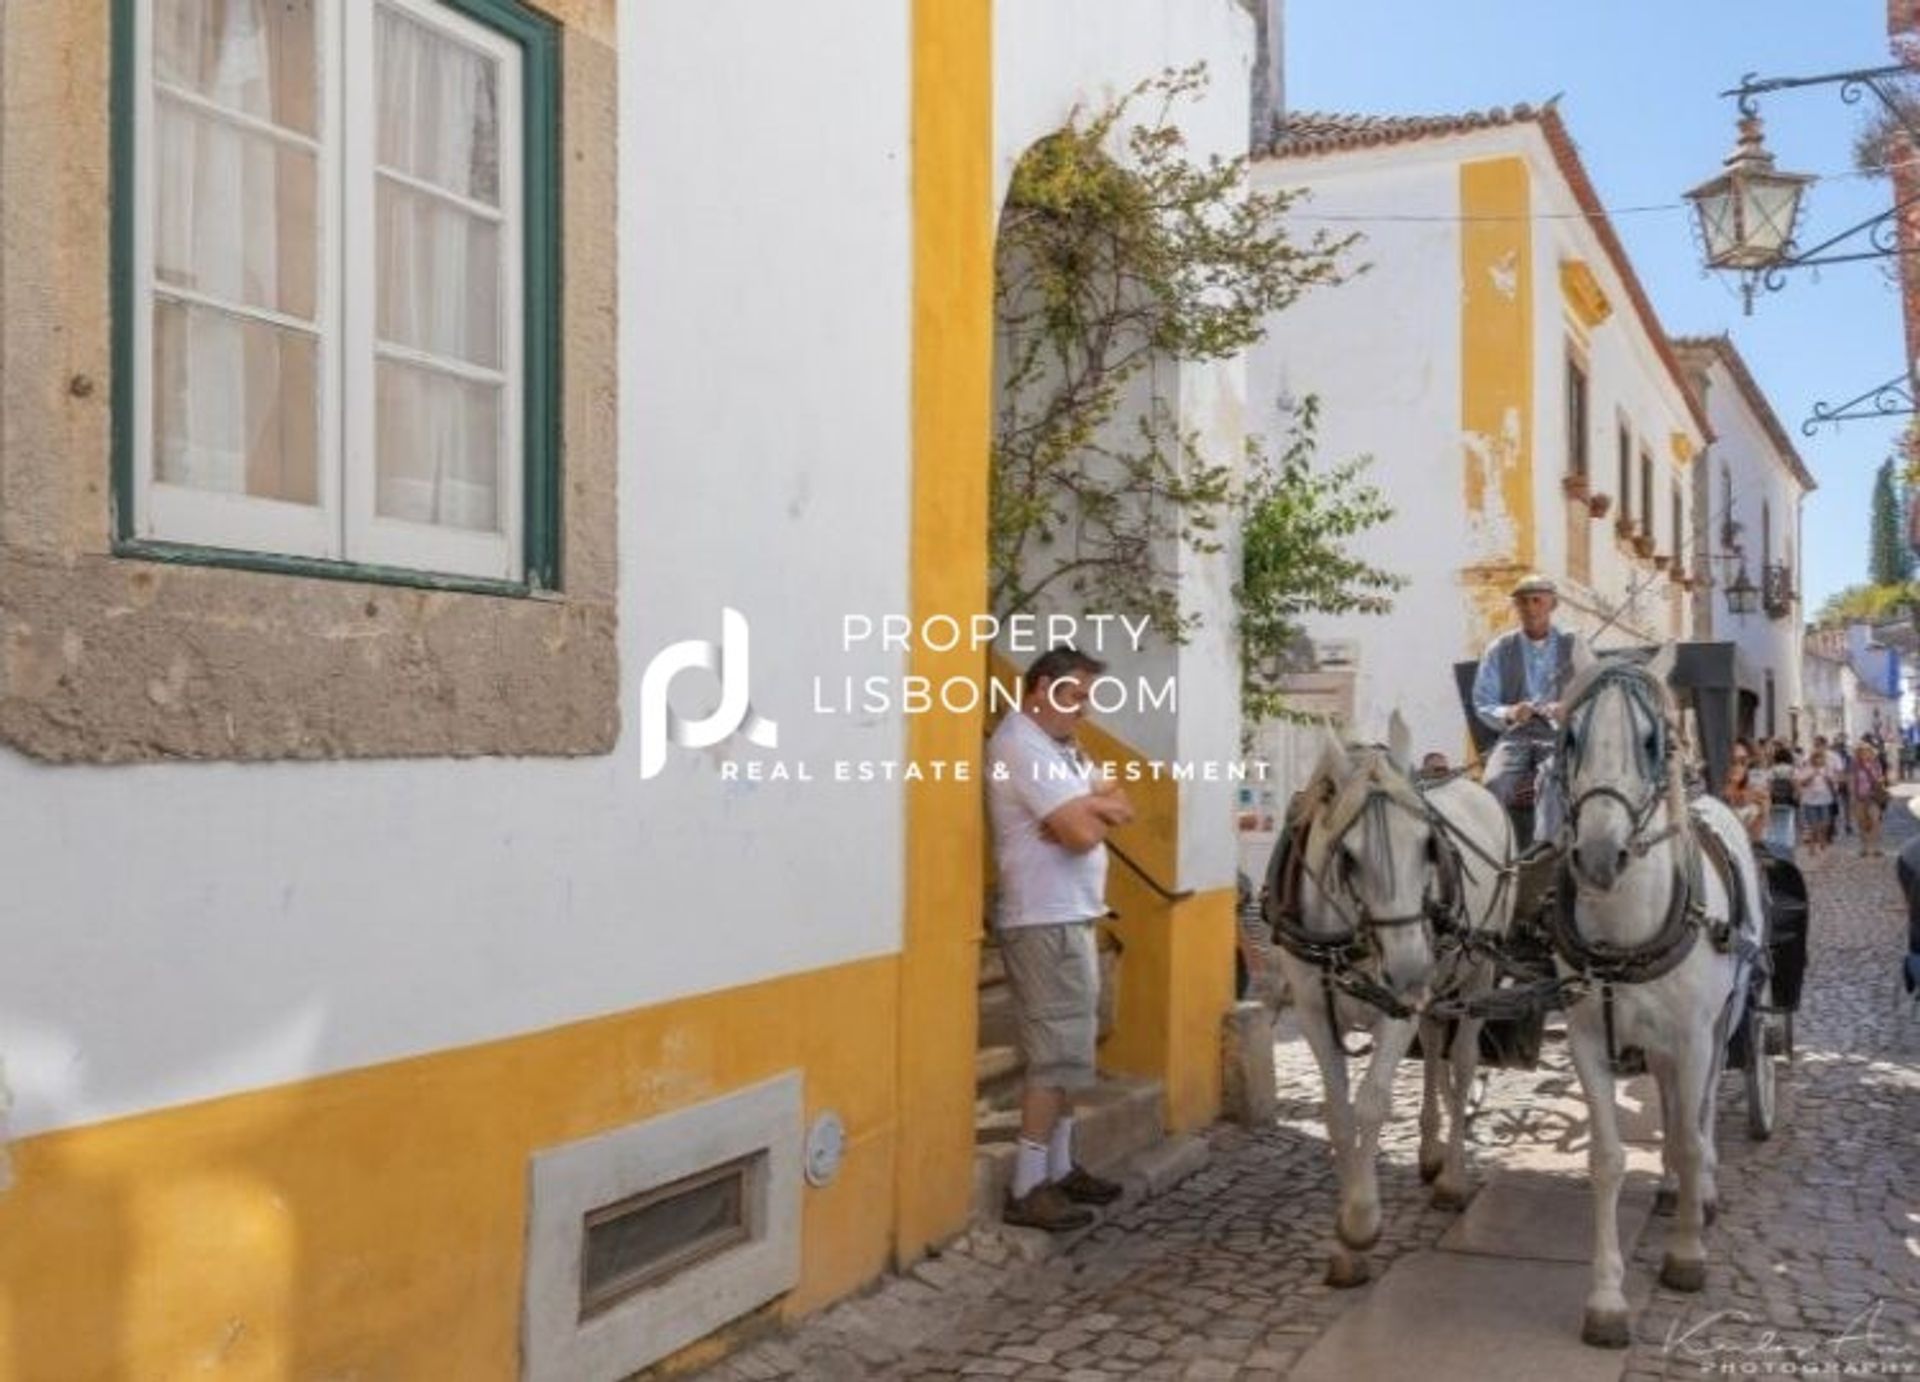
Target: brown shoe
(1047, 1207)
(1083, 1187)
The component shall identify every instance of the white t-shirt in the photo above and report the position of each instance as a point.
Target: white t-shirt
(1030, 775)
(1816, 783)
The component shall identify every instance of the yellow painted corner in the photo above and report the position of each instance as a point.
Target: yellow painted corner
(372, 1223)
(1683, 448)
(952, 380)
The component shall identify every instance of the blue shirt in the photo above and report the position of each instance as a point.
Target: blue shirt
(1540, 658)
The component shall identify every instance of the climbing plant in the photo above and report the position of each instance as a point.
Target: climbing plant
(1122, 255)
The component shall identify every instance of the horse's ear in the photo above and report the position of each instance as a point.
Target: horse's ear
(1333, 754)
(1660, 667)
(1400, 743)
(1581, 659)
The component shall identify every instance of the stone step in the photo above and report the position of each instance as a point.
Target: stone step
(1114, 1121)
(996, 1075)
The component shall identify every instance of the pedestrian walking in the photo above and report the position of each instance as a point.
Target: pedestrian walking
(1748, 800)
(1867, 785)
(1783, 802)
(1839, 759)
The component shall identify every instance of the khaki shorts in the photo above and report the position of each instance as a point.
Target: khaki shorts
(1054, 971)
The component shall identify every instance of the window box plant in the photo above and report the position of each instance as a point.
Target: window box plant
(1599, 505)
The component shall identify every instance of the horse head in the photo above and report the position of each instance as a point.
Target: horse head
(1371, 854)
(1619, 762)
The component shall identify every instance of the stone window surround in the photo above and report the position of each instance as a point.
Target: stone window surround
(107, 656)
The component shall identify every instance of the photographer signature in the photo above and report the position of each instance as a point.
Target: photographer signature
(1862, 1339)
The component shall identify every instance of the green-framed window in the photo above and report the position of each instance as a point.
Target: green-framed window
(336, 287)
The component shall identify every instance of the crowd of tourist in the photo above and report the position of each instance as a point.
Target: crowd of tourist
(1787, 797)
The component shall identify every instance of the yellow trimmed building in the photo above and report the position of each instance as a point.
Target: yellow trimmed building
(408, 975)
(1501, 363)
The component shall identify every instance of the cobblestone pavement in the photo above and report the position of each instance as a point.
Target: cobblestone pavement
(1817, 1246)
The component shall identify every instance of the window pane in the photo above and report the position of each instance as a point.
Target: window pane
(439, 285)
(237, 217)
(235, 405)
(255, 56)
(437, 449)
(439, 110)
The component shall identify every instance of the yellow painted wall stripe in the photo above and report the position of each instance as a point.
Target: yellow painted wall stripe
(1496, 330)
(372, 1223)
(953, 225)
(1497, 380)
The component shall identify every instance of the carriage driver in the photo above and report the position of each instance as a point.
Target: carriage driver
(1516, 691)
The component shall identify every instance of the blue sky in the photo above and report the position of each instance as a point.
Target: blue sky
(1639, 83)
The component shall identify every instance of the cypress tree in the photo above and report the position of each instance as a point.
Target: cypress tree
(1889, 560)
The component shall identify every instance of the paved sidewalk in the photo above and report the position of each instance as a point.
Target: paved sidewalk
(1817, 1248)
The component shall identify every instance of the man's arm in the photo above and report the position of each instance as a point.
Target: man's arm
(1486, 693)
(1086, 821)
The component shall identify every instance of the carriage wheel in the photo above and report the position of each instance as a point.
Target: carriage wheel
(1759, 1076)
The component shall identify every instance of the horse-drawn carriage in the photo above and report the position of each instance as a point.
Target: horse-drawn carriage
(1705, 688)
(1403, 905)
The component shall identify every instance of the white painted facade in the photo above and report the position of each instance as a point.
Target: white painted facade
(1748, 491)
(182, 931)
(1383, 353)
(1051, 59)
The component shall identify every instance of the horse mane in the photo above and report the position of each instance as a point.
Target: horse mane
(1372, 768)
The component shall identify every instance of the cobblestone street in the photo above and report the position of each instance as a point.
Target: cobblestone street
(1817, 1246)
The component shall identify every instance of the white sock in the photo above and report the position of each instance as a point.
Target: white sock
(1029, 1167)
(1060, 1150)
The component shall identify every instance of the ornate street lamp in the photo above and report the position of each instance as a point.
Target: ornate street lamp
(1747, 215)
(1748, 212)
(1743, 596)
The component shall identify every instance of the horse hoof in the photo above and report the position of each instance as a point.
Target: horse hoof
(1666, 1203)
(1430, 1170)
(1355, 1241)
(1451, 1200)
(1606, 1329)
(1678, 1274)
(1344, 1274)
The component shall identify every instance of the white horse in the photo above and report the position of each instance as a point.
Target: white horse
(1663, 953)
(1384, 879)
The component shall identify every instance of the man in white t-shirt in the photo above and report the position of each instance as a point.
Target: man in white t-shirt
(1051, 810)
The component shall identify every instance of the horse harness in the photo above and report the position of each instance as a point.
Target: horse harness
(1604, 965)
(1339, 958)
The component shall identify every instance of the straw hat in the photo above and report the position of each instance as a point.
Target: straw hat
(1535, 584)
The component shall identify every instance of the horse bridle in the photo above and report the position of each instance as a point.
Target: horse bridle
(1635, 684)
(1373, 809)
(1336, 956)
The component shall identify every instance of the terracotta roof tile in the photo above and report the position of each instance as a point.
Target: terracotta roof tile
(1302, 132)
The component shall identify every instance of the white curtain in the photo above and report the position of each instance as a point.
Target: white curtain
(438, 279)
(227, 391)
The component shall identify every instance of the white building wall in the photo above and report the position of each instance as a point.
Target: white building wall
(1381, 353)
(180, 931)
(1628, 384)
(1744, 459)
